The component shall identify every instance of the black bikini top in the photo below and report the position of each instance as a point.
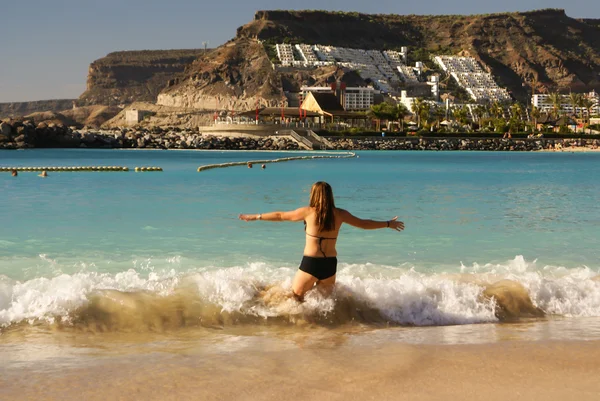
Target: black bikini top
(320, 239)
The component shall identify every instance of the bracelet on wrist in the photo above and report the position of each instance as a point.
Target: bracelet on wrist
(259, 217)
(388, 223)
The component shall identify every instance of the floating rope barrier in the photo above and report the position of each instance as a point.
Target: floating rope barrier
(280, 160)
(138, 169)
(66, 168)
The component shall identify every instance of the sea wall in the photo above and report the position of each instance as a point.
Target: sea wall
(24, 134)
(486, 144)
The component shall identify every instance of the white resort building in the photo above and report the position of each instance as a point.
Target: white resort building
(351, 98)
(467, 72)
(383, 69)
(398, 62)
(386, 69)
(285, 53)
(543, 102)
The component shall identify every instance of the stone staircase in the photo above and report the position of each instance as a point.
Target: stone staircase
(308, 139)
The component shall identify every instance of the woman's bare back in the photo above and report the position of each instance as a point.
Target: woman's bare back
(320, 244)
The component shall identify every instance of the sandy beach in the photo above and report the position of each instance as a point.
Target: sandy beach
(573, 149)
(326, 371)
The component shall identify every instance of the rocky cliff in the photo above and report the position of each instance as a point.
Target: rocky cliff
(233, 76)
(16, 109)
(546, 46)
(128, 76)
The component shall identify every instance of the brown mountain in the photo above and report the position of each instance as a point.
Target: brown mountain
(128, 76)
(545, 48)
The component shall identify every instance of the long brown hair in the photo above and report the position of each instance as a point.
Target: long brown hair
(321, 198)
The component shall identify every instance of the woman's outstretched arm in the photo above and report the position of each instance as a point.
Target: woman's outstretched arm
(293, 215)
(367, 224)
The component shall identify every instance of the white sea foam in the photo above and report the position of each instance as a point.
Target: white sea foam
(366, 293)
(6, 244)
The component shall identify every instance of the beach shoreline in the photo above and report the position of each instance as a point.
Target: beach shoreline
(24, 135)
(326, 370)
(572, 149)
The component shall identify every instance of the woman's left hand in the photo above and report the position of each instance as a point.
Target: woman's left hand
(394, 224)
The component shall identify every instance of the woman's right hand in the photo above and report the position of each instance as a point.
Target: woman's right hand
(394, 224)
(248, 217)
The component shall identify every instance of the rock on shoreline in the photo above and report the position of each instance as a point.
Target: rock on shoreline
(24, 135)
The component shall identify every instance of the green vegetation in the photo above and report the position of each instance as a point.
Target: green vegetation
(419, 54)
(271, 53)
(457, 91)
(389, 112)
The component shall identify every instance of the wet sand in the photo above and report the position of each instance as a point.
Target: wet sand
(324, 368)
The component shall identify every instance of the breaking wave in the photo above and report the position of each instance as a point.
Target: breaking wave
(259, 294)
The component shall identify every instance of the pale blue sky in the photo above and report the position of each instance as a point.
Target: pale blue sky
(46, 46)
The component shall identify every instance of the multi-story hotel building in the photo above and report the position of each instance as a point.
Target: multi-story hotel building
(542, 101)
(352, 98)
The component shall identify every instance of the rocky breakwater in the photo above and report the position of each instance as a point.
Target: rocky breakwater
(24, 134)
(188, 139)
(487, 144)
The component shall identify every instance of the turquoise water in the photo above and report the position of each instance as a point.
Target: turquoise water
(528, 217)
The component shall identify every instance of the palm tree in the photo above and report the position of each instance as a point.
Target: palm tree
(477, 114)
(417, 108)
(556, 99)
(399, 113)
(581, 105)
(496, 110)
(483, 111)
(487, 110)
(461, 115)
(535, 115)
(425, 112)
(575, 100)
(377, 112)
(517, 111)
(439, 112)
(588, 104)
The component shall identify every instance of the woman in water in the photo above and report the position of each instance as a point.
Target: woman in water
(322, 222)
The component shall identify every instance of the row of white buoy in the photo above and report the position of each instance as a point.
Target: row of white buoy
(283, 159)
(201, 168)
(70, 168)
(148, 169)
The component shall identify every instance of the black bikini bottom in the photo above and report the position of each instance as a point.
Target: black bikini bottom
(320, 268)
